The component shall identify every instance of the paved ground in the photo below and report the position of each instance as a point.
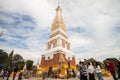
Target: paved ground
(36, 78)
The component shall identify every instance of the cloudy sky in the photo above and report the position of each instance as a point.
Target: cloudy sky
(93, 27)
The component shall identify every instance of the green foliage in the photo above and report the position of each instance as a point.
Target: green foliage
(9, 59)
(93, 61)
(77, 66)
(11, 55)
(29, 64)
(114, 60)
(12, 60)
(18, 57)
(101, 64)
(21, 64)
(3, 56)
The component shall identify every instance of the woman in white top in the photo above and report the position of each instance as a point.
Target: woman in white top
(91, 71)
(98, 72)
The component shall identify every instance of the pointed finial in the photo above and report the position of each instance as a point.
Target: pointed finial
(58, 2)
(59, 8)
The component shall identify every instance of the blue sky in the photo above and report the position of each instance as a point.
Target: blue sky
(93, 24)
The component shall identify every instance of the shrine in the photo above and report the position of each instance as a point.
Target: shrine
(58, 55)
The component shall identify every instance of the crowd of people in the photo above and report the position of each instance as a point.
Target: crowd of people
(88, 71)
(7, 73)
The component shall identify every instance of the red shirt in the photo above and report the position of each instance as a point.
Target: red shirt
(111, 66)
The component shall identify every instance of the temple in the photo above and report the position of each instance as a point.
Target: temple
(58, 53)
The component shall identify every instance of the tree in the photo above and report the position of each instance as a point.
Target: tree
(18, 61)
(101, 64)
(10, 59)
(29, 64)
(114, 60)
(3, 56)
(21, 64)
(93, 61)
(17, 58)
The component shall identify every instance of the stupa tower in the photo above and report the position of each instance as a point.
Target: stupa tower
(58, 46)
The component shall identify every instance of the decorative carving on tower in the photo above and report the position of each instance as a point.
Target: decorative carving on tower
(61, 60)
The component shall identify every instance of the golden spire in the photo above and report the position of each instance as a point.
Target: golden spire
(58, 21)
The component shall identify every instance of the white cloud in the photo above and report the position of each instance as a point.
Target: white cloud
(98, 18)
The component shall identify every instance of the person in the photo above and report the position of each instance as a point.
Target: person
(50, 72)
(118, 69)
(68, 75)
(43, 75)
(85, 74)
(91, 71)
(9, 72)
(20, 76)
(111, 67)
(15, 72)
(2, 73)
(81, 70)
(99, 72)
(74, 74)
(1, 67)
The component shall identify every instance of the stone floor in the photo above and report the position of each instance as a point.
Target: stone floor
(36, 78)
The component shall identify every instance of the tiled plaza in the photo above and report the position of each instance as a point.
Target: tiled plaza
(36, 78)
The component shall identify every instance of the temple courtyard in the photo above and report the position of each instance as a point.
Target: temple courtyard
(36, 78)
